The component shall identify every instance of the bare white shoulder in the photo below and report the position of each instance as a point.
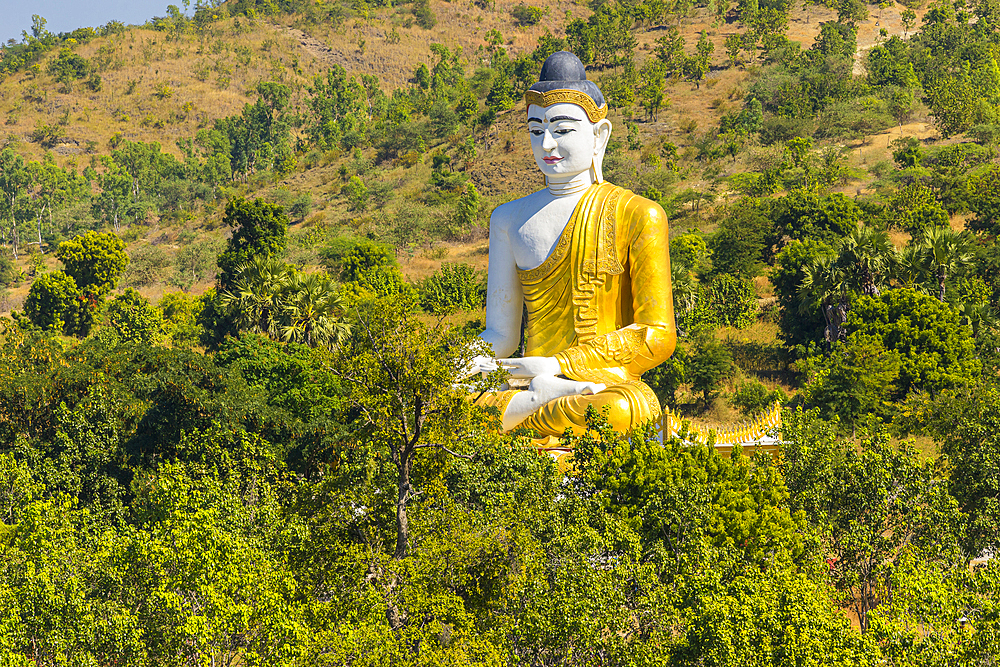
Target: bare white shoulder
(516, 211)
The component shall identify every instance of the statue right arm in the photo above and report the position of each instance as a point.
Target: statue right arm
(504, 299)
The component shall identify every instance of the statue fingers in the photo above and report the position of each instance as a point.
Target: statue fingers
(590, 388)
(516, 368)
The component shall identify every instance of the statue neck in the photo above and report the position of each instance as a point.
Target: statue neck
(564, 186)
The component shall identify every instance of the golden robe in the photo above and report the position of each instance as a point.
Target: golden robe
(601, 304)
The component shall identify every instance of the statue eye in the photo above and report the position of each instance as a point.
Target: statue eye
(536, 132)
(564, 130)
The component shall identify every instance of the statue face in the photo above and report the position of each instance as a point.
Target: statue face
(563, 140)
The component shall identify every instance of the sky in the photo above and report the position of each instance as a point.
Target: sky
(66, 15)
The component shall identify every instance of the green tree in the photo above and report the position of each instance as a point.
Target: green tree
(871, 501)
(466, 211)
(54, 303)
(259, 229)
(740, 245)
(984, 200)
(936, 351)
(856, 379)
(752, 398)
(867, 256)
(708, 365)
(51, 187)
(400, 376)
(134, 319)
(68, 66)
(14, 184)
(651, 82)
(454, 287)
(966, 422)
(733, 46)
(683, 499)
(909, 18)
(356, 193)
(349, 258)
(180, 318)
(117, 200)
(312, 311)
(804, 215)
(699, 65)
(798, 327)
(95, 262)
(938, 611)
(731, 301)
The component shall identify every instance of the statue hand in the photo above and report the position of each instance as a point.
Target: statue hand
(530, 367)
(480, 364)
(547, 388)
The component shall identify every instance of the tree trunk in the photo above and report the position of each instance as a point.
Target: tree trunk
(403, 495)
(40, 234)
(942, 277)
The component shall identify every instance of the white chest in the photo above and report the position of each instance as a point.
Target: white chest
(542, 223)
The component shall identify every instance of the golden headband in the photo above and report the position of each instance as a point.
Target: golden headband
(568, 96)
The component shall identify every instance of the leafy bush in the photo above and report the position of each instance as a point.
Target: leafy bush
(180, 318)
(527, 15)
(935, 350)
(94, 261)
(689, 250)
(356, 193)
(68, 66)
(423, 15)
(349, 258)
(134, 319)
(147, 266)
(731, 301)
(454, 287)
(54, 303)
(752, 398)
(708, 365)
(301, 207)
(9, 273)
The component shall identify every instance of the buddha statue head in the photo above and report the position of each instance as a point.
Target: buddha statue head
(567, 121)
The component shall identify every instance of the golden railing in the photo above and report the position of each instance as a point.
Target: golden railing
(760, 432)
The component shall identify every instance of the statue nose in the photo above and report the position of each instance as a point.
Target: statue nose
(548, 141)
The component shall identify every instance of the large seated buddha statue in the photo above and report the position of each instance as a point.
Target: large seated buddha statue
(590, 263)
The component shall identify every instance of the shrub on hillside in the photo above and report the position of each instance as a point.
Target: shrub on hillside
(348, 258)
(54, 303)
(454, 287)
(134, 319)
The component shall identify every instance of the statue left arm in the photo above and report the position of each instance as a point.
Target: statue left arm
(649, 338)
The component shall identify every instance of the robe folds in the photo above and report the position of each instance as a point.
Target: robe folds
(601, 304)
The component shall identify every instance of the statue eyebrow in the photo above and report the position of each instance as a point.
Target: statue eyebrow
(554, 119)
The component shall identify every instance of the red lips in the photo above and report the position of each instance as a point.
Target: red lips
(551, 160)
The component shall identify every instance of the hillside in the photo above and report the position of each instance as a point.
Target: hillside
(173, 81)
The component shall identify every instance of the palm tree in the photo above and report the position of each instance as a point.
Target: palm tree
(311, 310)
(911, 267)
(867, 257)
(255, 299)
(946, 252)
(826, 285)
(684, 288)
(978, 316)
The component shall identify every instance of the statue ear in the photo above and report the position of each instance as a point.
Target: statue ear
(602, 134)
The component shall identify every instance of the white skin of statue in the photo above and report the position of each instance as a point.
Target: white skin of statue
(568, 149)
